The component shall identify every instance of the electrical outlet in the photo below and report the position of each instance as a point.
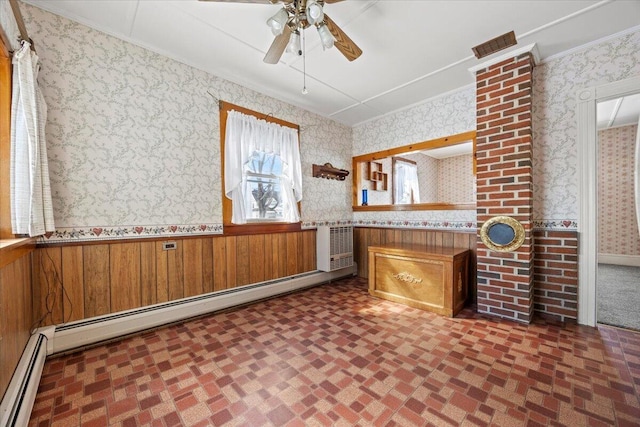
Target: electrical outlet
(167, 246)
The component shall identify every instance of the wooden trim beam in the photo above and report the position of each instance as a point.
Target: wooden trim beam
(5, 142)
(5, 46)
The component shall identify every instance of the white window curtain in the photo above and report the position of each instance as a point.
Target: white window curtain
(406, 187)
(31, 206)
(246, 135)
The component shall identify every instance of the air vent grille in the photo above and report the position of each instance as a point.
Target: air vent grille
(495, 45)
(334, 247)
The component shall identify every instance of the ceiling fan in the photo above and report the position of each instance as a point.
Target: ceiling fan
(296, 16)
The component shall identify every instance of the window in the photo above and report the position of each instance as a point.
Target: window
(405, 181)
(262, 177)
(263, 182)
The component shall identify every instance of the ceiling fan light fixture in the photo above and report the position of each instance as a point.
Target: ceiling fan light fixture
(325, 36)
(278, 21)
(294, 45)
(314, 12)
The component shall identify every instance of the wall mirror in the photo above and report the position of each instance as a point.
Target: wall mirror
(438, 174)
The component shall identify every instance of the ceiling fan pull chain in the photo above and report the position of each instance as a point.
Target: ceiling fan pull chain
(304, 64)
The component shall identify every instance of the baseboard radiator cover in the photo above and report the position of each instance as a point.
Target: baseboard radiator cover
(17, 403)
(102, 328)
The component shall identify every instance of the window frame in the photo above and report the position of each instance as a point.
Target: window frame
(6, 232)
(253, 227)
(395, 161)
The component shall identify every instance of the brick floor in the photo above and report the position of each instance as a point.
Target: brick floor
(333, 355)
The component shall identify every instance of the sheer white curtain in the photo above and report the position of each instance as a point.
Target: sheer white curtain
(406, 188)
(246, 135)
(31, 207)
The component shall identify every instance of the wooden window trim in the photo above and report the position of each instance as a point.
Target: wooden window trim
(263, 227)
(5, 141)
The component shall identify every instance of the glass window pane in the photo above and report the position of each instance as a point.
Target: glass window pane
(264, 199)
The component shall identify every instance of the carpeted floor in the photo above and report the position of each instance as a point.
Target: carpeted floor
(618, 295)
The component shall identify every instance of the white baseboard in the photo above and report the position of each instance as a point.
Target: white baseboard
(96, 329)
(630, 260)
(16, 406)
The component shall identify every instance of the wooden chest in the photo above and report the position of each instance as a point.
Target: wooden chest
(433, 279)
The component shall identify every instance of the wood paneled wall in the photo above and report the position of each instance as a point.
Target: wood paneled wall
(16, 315)
(365, 237)
(74, 282)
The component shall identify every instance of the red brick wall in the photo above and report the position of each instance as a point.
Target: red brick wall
(504, 184)
(556, 274)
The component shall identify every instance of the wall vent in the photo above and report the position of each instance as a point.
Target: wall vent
(334, 247)
(495, 45)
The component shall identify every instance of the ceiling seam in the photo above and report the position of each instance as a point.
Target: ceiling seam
(615, 111)
(133, 18)
(526, 34)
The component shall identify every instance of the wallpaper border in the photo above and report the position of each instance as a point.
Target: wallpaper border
(80, 234)
(555, 224)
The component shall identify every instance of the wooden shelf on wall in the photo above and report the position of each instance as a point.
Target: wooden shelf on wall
(378, 178)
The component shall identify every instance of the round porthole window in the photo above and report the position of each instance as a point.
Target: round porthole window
(502, 233)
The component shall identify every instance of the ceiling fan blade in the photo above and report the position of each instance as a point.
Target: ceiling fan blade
(343, 43)
(332, 1)
(278, 46)
(244, 1)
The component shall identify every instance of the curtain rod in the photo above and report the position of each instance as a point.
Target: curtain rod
(21, 27)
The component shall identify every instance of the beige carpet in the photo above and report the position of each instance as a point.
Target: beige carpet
(618, 295)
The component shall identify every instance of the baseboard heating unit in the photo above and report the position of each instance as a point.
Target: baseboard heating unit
(15, 408)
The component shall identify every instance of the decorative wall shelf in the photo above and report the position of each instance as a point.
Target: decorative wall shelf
(379, 179)
(329, 172)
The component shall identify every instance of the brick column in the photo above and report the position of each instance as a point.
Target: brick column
(504, 178)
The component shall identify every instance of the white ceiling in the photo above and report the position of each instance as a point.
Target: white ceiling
(413, 50)
(619, 112)
(450, 150)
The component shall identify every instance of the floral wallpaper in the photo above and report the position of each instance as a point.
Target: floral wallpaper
(616, 192)
(456, 181)
(556, 83)
(133, 138)
(447, 115)
(427, 176)
(555, 151)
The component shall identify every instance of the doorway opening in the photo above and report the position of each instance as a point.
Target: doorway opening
(588, 101)
(618, 236)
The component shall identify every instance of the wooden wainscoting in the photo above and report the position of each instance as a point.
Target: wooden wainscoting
(78, 281)
(16, 314)
(365, 236)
